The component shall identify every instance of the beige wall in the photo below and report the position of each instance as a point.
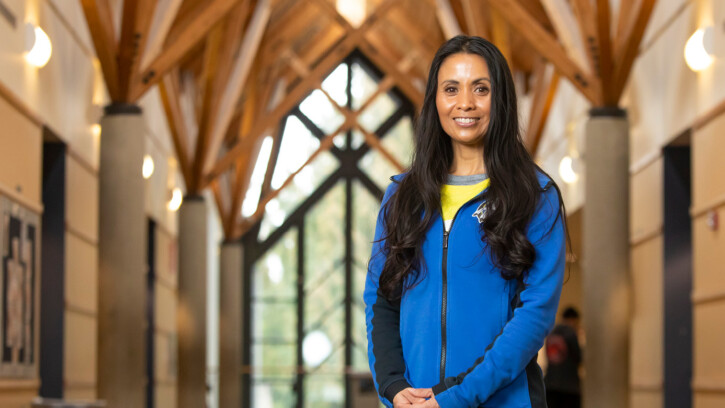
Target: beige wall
(708, 147)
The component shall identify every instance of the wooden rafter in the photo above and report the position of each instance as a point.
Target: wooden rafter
(624, 59)
(624, 18)
(543, 98)
(209, 75)
(135, 26)
(605, 47)
(161, 24)
(256, 107)
(100, 22)
(192, 30)
(343, 47)
(169, 90)
(475, 17)
(587, 22)
(545, 44)
(447, 19)
(501, 34)
(235, 85)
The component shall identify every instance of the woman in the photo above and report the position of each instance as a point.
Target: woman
(468, 259)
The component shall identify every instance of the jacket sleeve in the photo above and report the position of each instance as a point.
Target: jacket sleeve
(385, 351)
(533, 318)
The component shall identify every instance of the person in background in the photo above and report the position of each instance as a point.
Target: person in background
(564, 355)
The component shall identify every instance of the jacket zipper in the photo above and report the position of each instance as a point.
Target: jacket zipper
(444, 267)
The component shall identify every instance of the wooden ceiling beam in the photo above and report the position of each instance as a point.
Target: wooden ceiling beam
(235, 85)
(543, 98)
(169, 90)
(587, 22)
(245, 165)
(624, 19)
(545, 44)
(624, 59)
(210, 65)
(476, 17)
(135, 26)
(501, 35)
(100, 23)
(339, 51)
(605, 48)
(205, 16)
(402, 80)
(562, 18)
(161, 24)
(447, 19)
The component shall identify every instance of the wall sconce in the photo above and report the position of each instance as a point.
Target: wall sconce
(148, 167)
(698, 49)
(38, 47)
(176, 199)
(569, 169)
(96, 130)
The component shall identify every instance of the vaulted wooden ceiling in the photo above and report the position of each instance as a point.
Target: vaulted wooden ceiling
(230, 70)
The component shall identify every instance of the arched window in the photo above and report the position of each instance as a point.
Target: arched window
(306, 260)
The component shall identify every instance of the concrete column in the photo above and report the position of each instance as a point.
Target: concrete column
(230, 324)
(606, 279)
(191, 309)
(122, 259)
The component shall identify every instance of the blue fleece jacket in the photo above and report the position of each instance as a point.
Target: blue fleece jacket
(463, 330)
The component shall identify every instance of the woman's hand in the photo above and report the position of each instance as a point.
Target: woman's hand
(431, 403)
(410, 396)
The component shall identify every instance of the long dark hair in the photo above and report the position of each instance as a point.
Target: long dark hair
(512, 195)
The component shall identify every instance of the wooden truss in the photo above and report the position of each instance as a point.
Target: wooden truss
(229, 71)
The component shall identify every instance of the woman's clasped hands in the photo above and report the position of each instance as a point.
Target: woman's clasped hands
(415, 398)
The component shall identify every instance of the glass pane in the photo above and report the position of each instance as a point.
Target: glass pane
(298, 144)
(275, 274)
(359, 332)
(304, 183)
(336, 84)
(321, 112)
(362, 86)
(329, 320)
(357, 139)
(378, 168)
(377, 112)
(274, 360)
(340, 140)
(334, 362)
(273, 394)
(325, 236)
(276, 321)
(399, 141)
(360, 357)
(324, 391)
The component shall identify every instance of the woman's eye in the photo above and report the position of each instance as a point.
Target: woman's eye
(482, 89)
(450, 89)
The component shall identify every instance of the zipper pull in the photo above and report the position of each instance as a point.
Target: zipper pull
(445, 239)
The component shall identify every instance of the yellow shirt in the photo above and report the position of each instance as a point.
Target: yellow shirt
(454, 196)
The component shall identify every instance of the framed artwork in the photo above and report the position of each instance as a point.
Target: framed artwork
(19, 288)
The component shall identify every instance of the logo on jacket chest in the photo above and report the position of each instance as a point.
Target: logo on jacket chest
(480, 213)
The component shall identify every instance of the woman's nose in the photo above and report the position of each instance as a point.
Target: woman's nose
(465, 100)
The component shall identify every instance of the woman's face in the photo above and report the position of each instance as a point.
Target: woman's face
(463, 98)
